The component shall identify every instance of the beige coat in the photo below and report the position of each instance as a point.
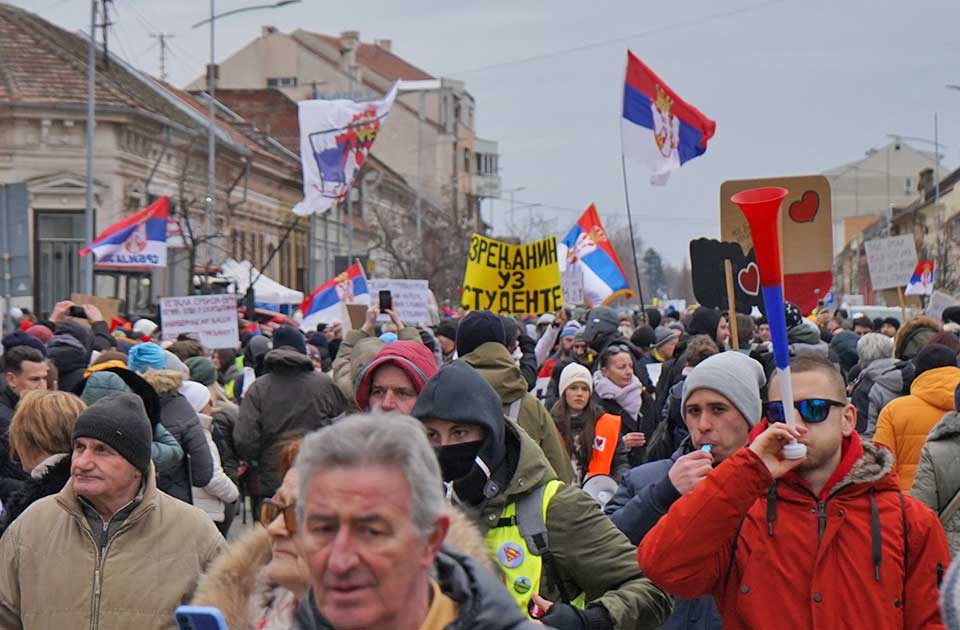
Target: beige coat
(50, 577)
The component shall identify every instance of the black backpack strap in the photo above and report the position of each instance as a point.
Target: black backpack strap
(533, 528)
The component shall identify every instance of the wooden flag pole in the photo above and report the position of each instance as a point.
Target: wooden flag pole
(732, 303)
(903, 304)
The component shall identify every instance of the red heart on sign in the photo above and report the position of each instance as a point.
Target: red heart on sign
(749, 279)
(805, 210)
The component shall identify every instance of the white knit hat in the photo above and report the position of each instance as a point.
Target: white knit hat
(575, 373)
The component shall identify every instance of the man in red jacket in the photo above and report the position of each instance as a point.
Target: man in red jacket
(828, 541)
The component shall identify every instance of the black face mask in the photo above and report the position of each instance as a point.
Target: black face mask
(456, 460)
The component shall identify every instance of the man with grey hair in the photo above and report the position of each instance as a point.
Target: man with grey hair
(876, 357)
(372, 511)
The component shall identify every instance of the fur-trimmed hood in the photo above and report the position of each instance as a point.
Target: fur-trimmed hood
(236, 575)
(874, 465)
(165, 381)
(913, 335)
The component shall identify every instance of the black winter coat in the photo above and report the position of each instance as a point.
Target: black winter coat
(52, 482)
(11, 475)
(179, 418)
(290, 397)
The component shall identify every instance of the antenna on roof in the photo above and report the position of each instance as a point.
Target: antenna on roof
(163, 37)
(103, 28)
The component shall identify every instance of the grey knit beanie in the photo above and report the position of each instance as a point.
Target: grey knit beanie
(119, 421)
(734, 376)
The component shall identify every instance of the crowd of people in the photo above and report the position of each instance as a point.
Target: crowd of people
(579, 470)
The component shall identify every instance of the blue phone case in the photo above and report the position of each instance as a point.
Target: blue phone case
(199, 618)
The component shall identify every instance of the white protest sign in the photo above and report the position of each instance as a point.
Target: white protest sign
(939, 301)
(410, 298)
(571, 281)
(212, 318)
(891, 261)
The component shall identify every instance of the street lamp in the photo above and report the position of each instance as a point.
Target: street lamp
(212, 112)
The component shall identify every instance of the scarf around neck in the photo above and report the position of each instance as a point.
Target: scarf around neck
(629, 397)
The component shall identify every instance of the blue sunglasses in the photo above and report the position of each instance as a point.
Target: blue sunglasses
(811, 410)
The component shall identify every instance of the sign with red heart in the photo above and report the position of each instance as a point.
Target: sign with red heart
(709, 280)
(806, 233)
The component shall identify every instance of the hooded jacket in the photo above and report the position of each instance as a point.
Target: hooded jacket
(889, 384)
(357, 349)
(221, 490)
(913, 336)
(52, 482)
(853, 557)
(237, 585)
(290, 397)
(71, 358)
(904, 424)
(497, 367)
(938, 475)
(482, 601)
(804, 341)
(11, 475)
(181, 421)
(591, 555)
(148, 567)
(414, 358)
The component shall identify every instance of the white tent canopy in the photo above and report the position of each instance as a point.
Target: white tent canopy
(266, 290)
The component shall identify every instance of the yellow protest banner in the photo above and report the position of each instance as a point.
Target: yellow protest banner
(512, 279)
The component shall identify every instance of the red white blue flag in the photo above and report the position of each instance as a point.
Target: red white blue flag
(658, 128)
(921, 282)
(326, 303)
(137, 241)
(587, 247)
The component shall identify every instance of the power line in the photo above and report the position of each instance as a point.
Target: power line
(684, 24)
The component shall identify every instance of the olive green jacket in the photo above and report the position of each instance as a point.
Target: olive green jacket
(498, 368)
(591, 554)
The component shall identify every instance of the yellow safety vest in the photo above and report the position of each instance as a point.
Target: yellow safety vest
(521, 569)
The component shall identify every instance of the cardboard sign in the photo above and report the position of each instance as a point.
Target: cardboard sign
(213, 318)
(110, 307)
(410, 298)
(512, 279)
(939, 302)
(571, 280)
(357, 313)
(708, 279)
(891, 261)
(806, 233)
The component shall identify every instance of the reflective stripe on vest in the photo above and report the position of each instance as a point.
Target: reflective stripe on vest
(605, 439)
(521, 569)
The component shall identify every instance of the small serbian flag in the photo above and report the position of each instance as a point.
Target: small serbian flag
(586, 246)
(921, 282)
(137, 241)
(326, 303)
(658, 128)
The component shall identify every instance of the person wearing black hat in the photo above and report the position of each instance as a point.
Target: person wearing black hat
(134, 553)
(890, 326)
(447, 336)
(583, 565)
(290, 396)
(481, 343)
(904, 423)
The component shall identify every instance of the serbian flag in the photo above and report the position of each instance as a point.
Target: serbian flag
(921, 282)
(658, 128)
(326, 303)
(137, 241)
(587, 247)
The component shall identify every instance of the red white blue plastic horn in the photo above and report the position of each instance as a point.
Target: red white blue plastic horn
(761, 206)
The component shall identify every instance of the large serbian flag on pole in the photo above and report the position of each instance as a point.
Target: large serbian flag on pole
(326, 303)
(658, 128)
(587, 248)
(137, 241)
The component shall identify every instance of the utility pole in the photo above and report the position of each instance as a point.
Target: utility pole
(211, 141)
(87, 279)
(163, 37)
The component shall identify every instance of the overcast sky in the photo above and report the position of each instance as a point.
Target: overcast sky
(796, 87)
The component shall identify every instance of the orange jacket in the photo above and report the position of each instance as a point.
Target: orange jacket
(802, 561)
(904, 423)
